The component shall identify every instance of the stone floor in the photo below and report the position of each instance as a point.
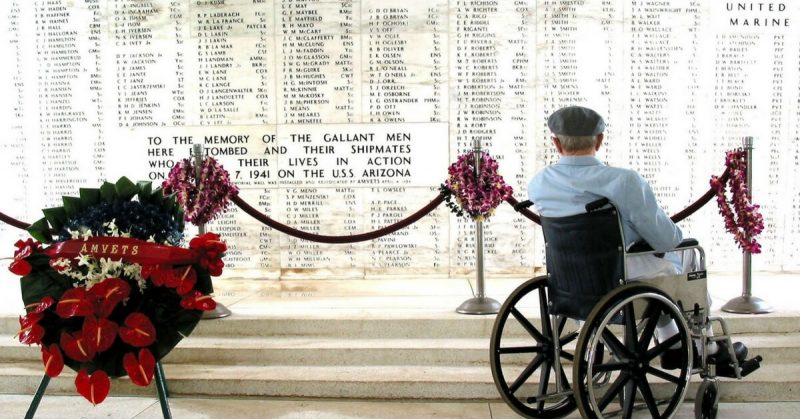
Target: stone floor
(15, 406)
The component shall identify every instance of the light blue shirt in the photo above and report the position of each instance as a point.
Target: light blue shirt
(566, 187)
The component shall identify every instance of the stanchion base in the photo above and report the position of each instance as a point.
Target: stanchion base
(479, 305)
(747, 305)
(219, 312)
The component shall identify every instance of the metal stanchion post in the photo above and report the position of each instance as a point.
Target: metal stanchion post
(479, 304)
(197, 153)
(746, 303)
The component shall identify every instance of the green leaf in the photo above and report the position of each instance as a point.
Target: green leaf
(169, 204)
(40, 231)
(126, 189)
(89, 196)
(56, 217)
(145, 189)
(108, 192)
(157, 197)
(72, 205)
(179, 217)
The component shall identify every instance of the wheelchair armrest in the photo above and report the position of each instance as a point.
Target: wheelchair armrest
(596, 205)
(641, 246)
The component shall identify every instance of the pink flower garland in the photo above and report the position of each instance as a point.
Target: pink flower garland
(477, 199)
(748, 221)
(202, 203)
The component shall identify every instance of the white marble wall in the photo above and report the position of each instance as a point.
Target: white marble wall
(340, 117)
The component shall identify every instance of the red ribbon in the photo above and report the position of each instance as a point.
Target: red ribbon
(123, 248)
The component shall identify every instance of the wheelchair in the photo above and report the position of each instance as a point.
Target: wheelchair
(583, 318)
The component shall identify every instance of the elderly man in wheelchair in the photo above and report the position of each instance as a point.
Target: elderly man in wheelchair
(636, 290)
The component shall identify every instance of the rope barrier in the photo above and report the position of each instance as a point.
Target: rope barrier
(265, 219)
(14, 222)
(258, 215)
(696, 205)
(678, 217)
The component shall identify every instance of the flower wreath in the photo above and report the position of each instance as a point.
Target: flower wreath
(747, 222)
(204, 199)
(475, 196)
(113, 292)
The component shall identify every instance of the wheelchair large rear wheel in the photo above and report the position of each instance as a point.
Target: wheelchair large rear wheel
(523, 354)
(623, 324)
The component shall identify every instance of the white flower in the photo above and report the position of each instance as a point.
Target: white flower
(84, 260)
(111, 227)
(61, 263)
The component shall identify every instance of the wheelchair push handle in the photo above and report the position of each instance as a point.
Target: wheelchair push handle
(519, 206)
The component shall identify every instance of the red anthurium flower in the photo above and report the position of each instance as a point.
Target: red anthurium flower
(93, 387)
(210, 249)
(99, 333)
(163, 276)
(214, 266)
(20, 267)
(74, 302)
(108, 294)
(30, 331)
(76, 347)
(24, 249)
(148, 270)
(138, 330)
(41, 306)
(198, 301)
(53, 360)
(186, 280)
(140, 370)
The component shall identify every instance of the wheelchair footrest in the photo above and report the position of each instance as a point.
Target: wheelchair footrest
(751, 365)
(747, 367)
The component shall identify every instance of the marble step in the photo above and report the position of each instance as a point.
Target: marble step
(433, 325)
(770, 383)
(777, 348)
(438, 325)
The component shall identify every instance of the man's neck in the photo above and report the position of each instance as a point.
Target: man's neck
(576, 153)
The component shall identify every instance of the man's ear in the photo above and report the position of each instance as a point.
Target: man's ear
(598, 141)
(557, 143)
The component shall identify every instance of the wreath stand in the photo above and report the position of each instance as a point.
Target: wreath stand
(479, 303)
(161, 386)
(747, 303)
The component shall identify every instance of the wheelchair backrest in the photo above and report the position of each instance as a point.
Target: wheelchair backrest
(585, 257)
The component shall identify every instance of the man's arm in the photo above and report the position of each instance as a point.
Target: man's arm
(647, 217)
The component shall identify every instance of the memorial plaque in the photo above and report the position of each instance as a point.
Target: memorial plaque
(341, 117)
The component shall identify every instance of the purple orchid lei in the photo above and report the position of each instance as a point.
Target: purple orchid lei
(476, 198)
(202, 200)
(744, 220)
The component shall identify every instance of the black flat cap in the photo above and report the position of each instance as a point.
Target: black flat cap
(576, 121)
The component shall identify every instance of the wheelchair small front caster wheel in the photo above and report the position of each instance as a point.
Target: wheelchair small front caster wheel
(705, 404)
